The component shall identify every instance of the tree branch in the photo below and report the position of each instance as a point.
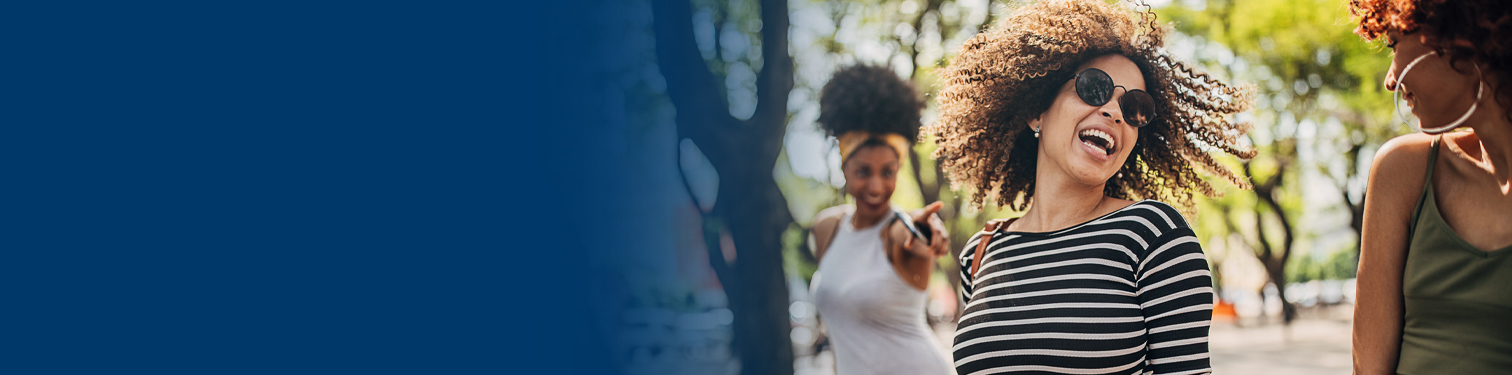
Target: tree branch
(1286, 227)
(929, 195)
(1260, 188)
(776, 78)
(1265, 245)
(690, 85)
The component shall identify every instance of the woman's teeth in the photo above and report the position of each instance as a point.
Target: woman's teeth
(1099, 139)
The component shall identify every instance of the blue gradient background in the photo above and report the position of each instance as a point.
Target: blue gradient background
(357, 187)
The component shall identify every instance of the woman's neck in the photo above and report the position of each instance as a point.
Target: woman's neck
(1060, 203)
(1494, 133)
(865, 219)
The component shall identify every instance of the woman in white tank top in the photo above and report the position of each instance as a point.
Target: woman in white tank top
(869, 288)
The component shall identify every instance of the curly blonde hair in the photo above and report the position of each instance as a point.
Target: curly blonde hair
(1010, 74)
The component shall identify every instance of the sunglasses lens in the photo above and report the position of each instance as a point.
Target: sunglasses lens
(1138, 108)
(1094, 87)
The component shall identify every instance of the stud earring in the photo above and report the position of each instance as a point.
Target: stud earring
(1036, 132)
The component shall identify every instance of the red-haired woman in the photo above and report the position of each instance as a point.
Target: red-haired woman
(1435, 278)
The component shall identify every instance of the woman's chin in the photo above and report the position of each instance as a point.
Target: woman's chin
(1092, 177)
(872, 206)
(1093, 173)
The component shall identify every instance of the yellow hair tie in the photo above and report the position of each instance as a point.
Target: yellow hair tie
(855, 138)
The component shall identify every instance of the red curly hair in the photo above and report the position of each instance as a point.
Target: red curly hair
(1477, 30)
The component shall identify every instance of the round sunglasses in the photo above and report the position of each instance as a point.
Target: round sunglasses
(1095, 87)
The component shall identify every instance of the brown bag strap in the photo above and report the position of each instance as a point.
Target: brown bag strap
(981, 249)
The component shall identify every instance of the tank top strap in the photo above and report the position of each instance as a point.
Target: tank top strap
(1432, 161)
(845, 221)
(1427, 185)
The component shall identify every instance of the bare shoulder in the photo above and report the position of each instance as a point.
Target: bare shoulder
(825, 224)
(1401, 165)
(830, 215)
(1408, 145)
(1397, 177)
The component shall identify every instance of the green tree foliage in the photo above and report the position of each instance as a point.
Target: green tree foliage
(1309, 67)
(1338, 265)
(1320, 113)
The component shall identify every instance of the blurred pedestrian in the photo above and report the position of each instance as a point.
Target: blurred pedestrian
(869, 288)
(1073, 109)
(1434, 291)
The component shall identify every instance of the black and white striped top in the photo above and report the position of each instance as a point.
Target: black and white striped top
(1126, 293)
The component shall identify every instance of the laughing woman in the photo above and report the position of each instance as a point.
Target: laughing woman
(1072, 109)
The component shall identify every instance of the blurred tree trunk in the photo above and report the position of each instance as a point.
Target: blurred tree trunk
(749, 206)
(1274, 256)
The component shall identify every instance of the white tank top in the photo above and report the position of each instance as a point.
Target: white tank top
(875, 319)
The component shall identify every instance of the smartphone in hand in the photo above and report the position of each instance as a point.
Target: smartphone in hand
(908, 222)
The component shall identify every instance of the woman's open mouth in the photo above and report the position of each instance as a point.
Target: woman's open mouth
(1098, 139)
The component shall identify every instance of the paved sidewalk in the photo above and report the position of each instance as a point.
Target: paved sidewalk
(1316, 347)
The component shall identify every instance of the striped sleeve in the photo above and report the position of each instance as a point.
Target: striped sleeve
(967, 253)
(1176, 297)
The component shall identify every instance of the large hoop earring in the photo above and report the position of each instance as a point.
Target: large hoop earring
(1480, 90)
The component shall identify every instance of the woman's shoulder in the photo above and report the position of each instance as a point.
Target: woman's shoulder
(826, 225)
(1156, 213)
(1405, 151)
(832, 214)
(1401, 165)
(827, 221)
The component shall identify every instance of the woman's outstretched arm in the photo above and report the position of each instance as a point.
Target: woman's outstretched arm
(912, 259)
(1396, 182)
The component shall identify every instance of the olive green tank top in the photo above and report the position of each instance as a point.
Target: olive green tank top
(1458, 298)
